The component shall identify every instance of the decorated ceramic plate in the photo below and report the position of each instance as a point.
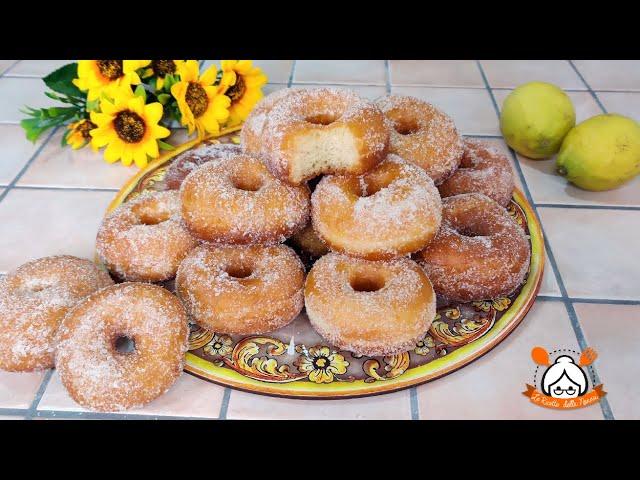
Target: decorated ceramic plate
(296, 362)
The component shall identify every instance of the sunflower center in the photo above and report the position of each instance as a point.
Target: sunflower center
(321, 363)
(129, 126)
(85, 127)
(196, 99)
(111, 69)
(163, 68)
(236, 91)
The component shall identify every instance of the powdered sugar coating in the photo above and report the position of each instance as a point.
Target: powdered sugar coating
(483, 169)
(386, 321)
(190, 160)
(422, 134)
(390, 211)
(145, 239)
(480, 252)
(33, 300)
(242, 289)
(290, 118)
(237, 200)
(99, 377)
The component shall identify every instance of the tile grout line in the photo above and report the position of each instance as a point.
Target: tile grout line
(292, 73)
(224, 406)
(36, 400)
(4, 74)
(583, 80)
(573, 318)
(387, 69)
(413, 403)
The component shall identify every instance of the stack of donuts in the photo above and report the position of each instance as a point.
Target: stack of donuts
(390, 208)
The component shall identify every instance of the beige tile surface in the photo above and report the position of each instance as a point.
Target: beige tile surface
(396, 406)
(368, 72)
(437, 73)
(5, 65)
(10, 417)
(367, 91)
(597, 251)
(18, 92)
(470, 108)
(624, 103)
(17, 389)
(491, 388)
(37, 68)
(189, 396)
(512, 73)
(16, 151)
(83, 168)
(549, 286)
(610, 74)
(614, 332)
(37, 223)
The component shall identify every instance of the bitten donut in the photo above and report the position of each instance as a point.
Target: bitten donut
(122, 347)
(422, 135)
(369, 308)
(325, 130)
(188, 161)
(34, 298)
(242, 289)
(480, 252)
(483, 169)
(390, 211)
(145, 239)
(236, 200)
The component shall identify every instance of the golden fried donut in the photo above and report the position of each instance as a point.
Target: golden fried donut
(483, 169)
(251, 133)
(422, 134)
(34, 298)
(145, 239)
(236, 200)
(480, 252)
(122, 347)
(369, 308)
(390, 211)
(325, 130)
(241, 289)
(188, 161)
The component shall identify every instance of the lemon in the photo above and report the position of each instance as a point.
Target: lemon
(535, 118)
(601, 153)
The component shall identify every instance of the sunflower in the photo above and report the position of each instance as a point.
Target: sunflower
(128, 127)
(321, 364)
(202, 105)
(97, 76)
(78, 135)
(242, 83)
(160, 69)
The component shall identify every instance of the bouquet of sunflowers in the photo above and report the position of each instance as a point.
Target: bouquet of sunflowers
(126, 106)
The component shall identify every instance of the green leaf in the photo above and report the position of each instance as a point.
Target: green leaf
(93, 105)
(165, 146)
(163, 98)
(141, 92)
(60, 80)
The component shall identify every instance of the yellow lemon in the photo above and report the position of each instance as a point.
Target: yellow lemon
(601, 153)
(535, 118)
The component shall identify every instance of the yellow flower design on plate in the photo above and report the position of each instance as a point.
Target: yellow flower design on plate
(98, 76)
(78, 135)
(219, 345)
(321, 364)
(242, 83)
(202, 104)
(498, 304)
(425, 345)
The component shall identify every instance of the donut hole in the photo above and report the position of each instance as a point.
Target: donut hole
(366, 281)
(406, 126)
(321, 119)
(238, 271)
(124, 344)
(374, 183)
(147, 218)
(248, 181)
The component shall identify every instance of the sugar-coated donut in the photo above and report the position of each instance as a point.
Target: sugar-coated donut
(251, 133)
(325, 130)
(422, 134)
(122, 347)
(236, 200)
(369, 308)
(483, 169)
(145, 239)
(34, 299)
(242, 289)
(187, 162)
(390, 211)
(480, 252)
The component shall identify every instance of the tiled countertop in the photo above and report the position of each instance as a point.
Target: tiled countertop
(52, 200)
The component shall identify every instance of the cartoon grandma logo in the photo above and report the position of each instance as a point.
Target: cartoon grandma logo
(563, 382)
